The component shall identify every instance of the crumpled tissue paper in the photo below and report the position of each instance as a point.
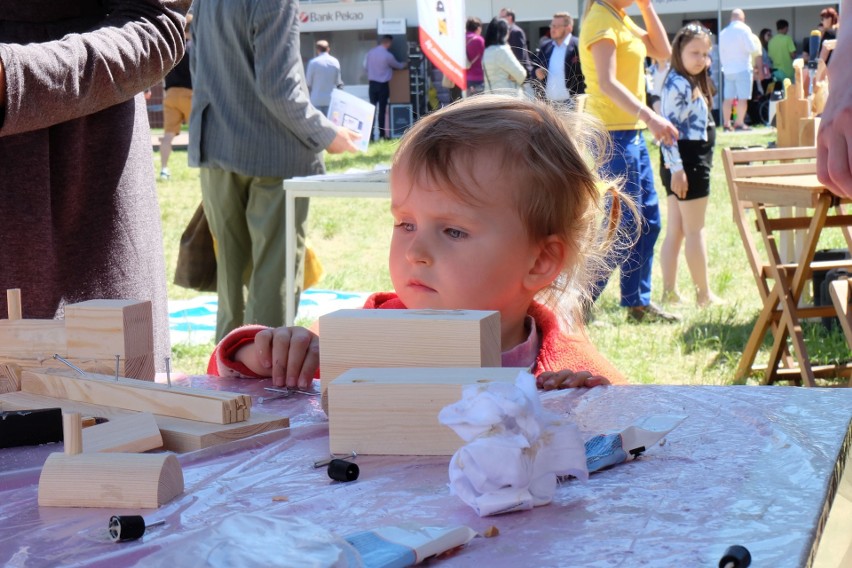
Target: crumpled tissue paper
(515, 449)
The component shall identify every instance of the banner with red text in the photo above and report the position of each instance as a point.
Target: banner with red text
(442, 37)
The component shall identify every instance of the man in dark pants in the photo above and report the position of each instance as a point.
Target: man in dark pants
(379, 65)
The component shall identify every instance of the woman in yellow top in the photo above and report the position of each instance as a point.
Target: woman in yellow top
(612, 55)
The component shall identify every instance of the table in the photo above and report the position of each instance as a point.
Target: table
(802, 191)
(361, 184)
(752, 466)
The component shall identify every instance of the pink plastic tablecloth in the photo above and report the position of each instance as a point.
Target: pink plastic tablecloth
(756, 466)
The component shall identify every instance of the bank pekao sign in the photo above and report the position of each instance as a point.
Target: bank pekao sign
(340, 16)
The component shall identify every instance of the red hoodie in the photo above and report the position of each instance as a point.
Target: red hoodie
(558, 350)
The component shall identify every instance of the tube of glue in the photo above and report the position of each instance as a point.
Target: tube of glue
(607, 450)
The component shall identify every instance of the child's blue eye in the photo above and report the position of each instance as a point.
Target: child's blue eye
(455, 233)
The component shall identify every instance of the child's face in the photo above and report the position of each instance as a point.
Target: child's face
(447, 254)
(695, 55)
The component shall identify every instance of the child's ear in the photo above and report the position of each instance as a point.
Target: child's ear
(547, 264)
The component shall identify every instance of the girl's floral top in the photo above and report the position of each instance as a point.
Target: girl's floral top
(688, 113)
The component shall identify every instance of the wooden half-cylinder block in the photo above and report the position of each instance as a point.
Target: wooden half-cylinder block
(75, 479)
(407, 338)
(194, 404)
(102, 329)
(110, 480)
(394, 411)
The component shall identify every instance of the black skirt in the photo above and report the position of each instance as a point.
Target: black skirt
(697, 158)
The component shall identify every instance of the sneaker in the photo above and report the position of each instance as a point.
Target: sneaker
(164, 174)
(652, 313)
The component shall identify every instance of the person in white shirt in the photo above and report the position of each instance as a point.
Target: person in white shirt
(737, 46)
(323, 76)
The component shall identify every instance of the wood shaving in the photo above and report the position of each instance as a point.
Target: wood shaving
(280, 498)
(491, 532)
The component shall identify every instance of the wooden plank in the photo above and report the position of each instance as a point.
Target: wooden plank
(391, 411)
(179, 435)
(32, 338)
(134, 433)
(407, 338)
(192, 404)
(110, 480)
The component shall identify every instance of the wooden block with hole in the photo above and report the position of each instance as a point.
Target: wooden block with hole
(407, 338)
(102, 329)
(394, 411)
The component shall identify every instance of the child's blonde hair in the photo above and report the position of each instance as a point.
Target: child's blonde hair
(550, 155)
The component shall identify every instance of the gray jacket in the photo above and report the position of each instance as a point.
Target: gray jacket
(251, 113)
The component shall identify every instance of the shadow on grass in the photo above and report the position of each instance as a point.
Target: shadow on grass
(727, 335)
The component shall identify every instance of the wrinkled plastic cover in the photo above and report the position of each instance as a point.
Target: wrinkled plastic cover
(754, 466)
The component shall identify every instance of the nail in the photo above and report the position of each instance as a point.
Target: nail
(79, 371)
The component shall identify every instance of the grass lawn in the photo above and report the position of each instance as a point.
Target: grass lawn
(352, 236)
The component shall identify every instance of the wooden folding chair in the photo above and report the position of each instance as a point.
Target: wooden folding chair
(781, 284)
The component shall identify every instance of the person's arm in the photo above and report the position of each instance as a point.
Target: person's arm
(656, 40)
(676, 91)
(512, 66)
(130, 49)
(2, 93)
(603, 52)
(392, 61)
(834, 139)
(279, 83)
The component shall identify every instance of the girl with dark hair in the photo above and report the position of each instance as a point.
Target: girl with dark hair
(686, 101)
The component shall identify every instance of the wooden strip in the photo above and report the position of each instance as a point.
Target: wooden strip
(134, 433)
(179, 435)
(120, 394)
(10, 377)
(110, 480)
(13, 303)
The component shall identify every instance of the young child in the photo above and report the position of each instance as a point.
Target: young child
(497, 206)
(686, 99)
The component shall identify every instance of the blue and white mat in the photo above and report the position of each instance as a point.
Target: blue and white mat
(194, 321)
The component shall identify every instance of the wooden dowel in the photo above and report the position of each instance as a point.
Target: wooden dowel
(13, 301)
(72, 433)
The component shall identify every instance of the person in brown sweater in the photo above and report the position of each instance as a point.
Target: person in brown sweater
(79, 217)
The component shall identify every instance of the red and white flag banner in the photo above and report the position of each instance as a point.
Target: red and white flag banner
(442, 37)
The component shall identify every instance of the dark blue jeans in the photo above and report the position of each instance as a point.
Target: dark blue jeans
(379, 96)
(631, 161)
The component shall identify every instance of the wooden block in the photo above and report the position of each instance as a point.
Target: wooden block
(102, 329)
(72, 432)
(392, 411)
(13, 303)
(143, 396)
(110, 480)
(133, 433)
(808, 128)
(407, 338)
(179, 435)
(32, 338)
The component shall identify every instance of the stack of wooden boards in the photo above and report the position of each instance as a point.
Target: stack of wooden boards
(92, 335)
(188, 419)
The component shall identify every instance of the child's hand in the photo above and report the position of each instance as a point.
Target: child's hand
(290, 355)
(568, 379)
